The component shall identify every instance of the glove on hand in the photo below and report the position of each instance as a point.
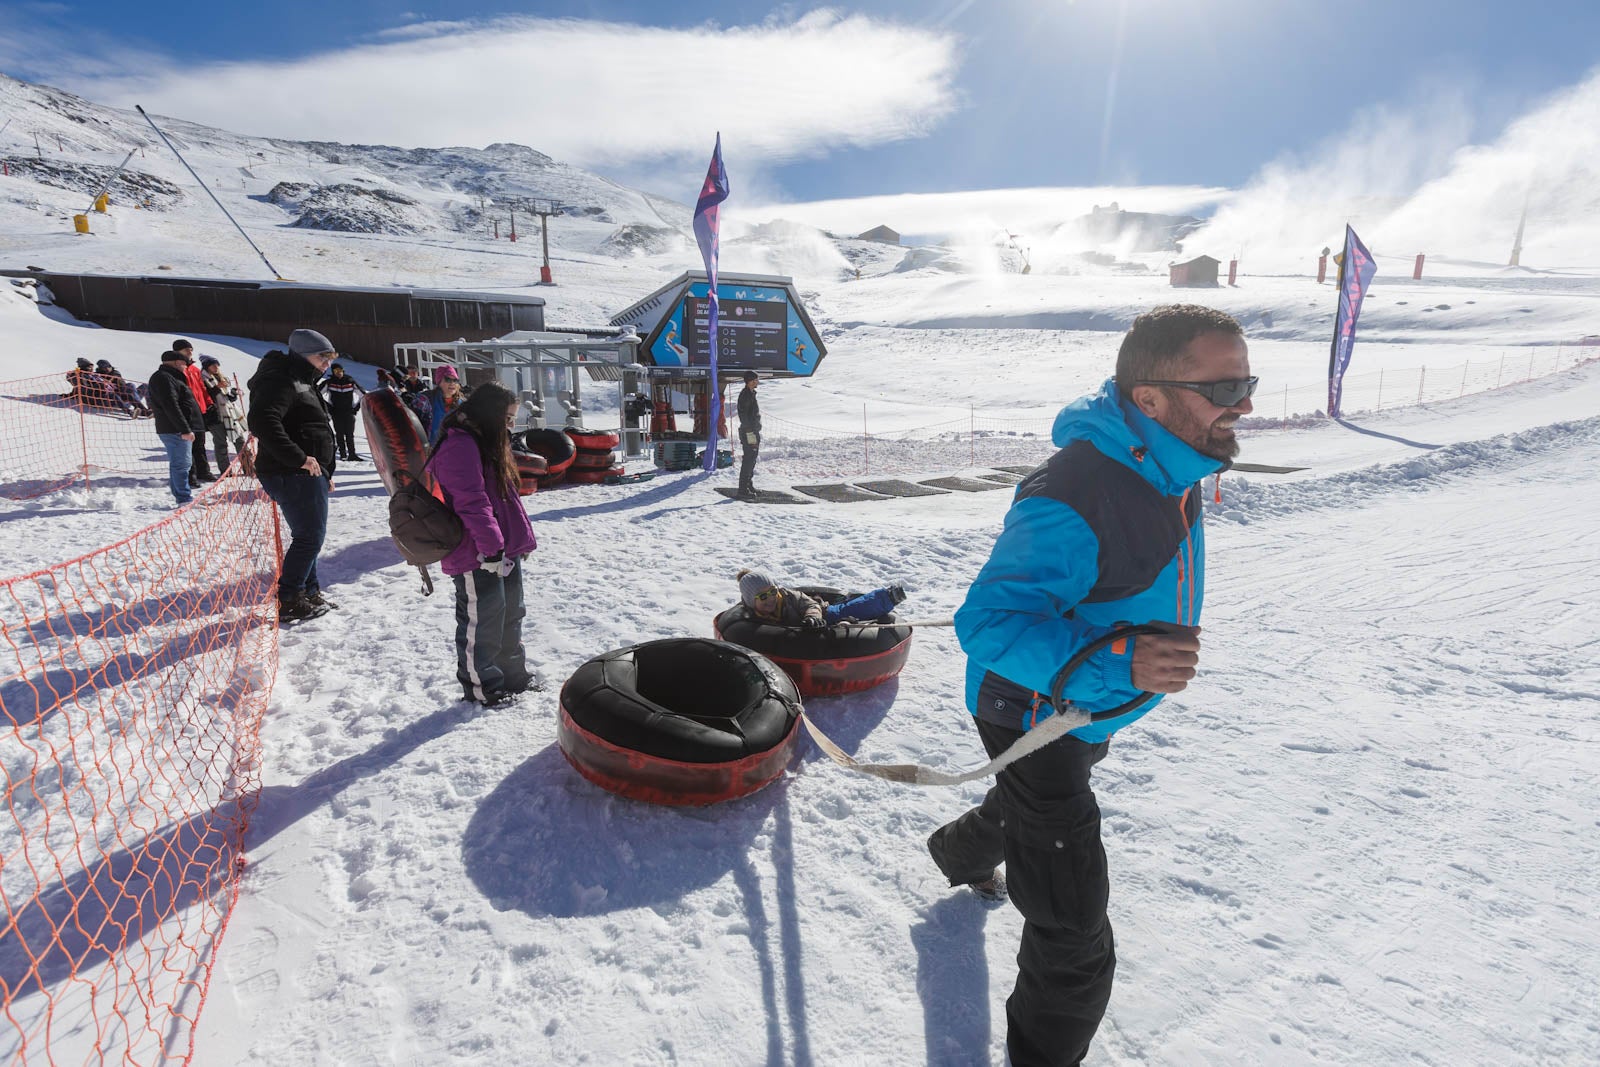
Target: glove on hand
(498, 564)
(812, 622)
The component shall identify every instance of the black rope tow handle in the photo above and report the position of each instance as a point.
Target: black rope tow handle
(1120, 632)
(1066, 718)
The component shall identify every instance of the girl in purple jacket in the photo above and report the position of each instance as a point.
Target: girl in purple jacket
(473, 465)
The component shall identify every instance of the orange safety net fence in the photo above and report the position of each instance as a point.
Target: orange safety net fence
(61, 428)
(132, 686)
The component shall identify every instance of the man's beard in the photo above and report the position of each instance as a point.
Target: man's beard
(1204, 438)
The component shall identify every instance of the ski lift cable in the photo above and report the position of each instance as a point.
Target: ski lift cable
(209, 193)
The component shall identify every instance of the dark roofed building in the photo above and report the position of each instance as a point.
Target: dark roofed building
(880, 233)
(1201, 271)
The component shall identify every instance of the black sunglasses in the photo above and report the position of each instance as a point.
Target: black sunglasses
(1224, 394)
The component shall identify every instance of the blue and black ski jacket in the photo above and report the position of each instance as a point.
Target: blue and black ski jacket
(1107, 531)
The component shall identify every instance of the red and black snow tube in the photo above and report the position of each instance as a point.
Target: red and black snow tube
(684, 721)
(594, 477)
(530, 468)
(394, 436)
(593, 440)
(845, 658)
(594, 461)
(597, 459)
(556, 448)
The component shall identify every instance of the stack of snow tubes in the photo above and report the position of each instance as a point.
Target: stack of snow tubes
(597, 459)
(554, 446)
(847, 657)
(682, 721)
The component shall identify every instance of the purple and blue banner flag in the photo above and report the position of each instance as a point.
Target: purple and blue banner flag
(1355, 274)
(706, 232)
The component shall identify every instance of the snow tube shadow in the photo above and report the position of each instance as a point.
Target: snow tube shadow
(845, 658)
(394, 436)
(556, 448)
(683, 721)
(546, 843)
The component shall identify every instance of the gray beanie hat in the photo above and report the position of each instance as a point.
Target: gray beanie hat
(309, 343)
(751, 583)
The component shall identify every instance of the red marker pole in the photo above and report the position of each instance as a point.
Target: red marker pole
(1416, 271)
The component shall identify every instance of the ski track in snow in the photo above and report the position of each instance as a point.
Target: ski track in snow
(1316, 853)
(1353, 840)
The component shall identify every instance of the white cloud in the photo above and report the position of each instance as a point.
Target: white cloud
(588, 93)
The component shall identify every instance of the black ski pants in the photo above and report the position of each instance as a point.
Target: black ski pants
(344, 435)
(490, 657)
(1042, 820)
(218, 433)
(747, 464)
(199, 467)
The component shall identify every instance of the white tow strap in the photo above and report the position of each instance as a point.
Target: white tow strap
(914, 774)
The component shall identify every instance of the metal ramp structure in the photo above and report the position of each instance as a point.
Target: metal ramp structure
(547, 370)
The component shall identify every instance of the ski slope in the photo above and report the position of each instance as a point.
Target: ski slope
(1367, 834)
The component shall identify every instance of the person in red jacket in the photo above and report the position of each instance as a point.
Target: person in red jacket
(478, 477)
(200, 469)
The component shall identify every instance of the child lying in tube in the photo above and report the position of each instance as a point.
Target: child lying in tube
(765, 599)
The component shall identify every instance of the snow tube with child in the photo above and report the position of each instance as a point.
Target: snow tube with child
(844, 658)
(394, 436)
(682, 721)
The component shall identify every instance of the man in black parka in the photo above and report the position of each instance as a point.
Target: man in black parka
(344, 400)
(178, 421)
(295, 461)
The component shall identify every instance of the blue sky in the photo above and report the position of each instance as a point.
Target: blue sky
(893, 96)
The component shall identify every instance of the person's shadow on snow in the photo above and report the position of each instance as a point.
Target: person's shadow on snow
(953, 981)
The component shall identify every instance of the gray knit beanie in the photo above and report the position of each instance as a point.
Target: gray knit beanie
(751, 583)
(309, 343)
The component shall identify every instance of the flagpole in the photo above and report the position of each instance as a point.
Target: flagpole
(707, 227)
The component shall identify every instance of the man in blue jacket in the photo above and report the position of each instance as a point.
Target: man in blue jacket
(1106, 532)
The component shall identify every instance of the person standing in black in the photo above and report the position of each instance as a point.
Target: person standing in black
(344, 400)
(199, 469)
(178, 421)
(295, 462)
(749, 434)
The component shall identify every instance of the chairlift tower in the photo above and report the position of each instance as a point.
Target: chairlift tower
(544, 209)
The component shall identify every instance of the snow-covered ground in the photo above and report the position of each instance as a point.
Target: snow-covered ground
(1366, 834)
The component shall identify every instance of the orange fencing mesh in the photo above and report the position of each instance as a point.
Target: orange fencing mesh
(132, 686)
(60, 428)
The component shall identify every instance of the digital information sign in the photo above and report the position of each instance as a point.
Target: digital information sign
(749, 333)
(757, 329)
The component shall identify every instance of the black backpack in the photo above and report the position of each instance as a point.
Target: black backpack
(423, 528)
